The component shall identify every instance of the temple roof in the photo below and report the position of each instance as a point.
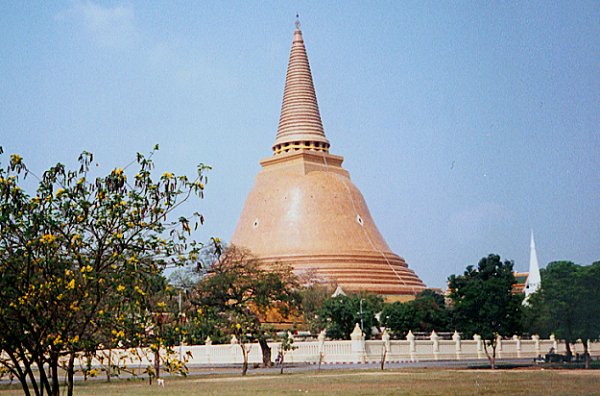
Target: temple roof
(300, 125)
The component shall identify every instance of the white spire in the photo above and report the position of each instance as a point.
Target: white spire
(533, 280)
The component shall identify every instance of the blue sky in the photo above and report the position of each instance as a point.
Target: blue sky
(464, 124)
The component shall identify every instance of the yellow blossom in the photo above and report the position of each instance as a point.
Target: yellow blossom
(15, 159)
(87, 268)
(47, 238)
(140, 291)
(59, 192)
(120, 288)
(71, 285)
(237, 326)
(167, 175)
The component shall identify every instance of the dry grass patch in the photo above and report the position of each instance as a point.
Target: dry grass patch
(365, 382)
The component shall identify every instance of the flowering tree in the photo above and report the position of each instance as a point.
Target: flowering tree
(80, 260)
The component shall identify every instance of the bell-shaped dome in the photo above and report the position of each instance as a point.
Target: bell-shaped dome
(305, 211)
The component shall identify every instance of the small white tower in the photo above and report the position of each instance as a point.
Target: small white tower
(534, 279)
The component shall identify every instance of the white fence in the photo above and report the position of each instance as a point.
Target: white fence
(358, 350)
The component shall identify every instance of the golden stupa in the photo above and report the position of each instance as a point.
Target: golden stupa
(305, 211)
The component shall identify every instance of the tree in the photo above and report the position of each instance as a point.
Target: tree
(338, 315)
(287, 344)
(399, 318)
(81, 258)
(569, 303)
(589, 307)
(427, 312)
(484, 303)
(313, 296)
(242, 294)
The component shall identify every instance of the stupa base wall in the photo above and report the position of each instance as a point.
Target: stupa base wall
(383, 274)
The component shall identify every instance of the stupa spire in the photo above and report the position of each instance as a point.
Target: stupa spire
(300, 125)
(534, 279)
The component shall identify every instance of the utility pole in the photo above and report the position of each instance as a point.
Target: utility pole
(361, 316)
(179, 321)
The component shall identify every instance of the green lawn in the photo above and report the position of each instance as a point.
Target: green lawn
(364, 382)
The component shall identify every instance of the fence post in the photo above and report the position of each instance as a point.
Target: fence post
(321, 339)
(536, 341)
(233, 346)
(358, 344)
(518, 344)
(387, 346)
(499, 346)
(477, 339)
(554, 343)
(435, 339)
(456, 339)
(208, 350)
(411, 345)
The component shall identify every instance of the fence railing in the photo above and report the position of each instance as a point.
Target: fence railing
(357, 350)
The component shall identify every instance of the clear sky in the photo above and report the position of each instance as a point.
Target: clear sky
(464, 124)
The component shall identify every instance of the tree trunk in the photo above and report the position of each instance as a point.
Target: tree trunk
(320, 360)
(27, 363)
(384, 355)
(20, 375)
(157, 363)
(266, 352)
(70, 373)
(54, 374)
(282, 362)
(24, 385)
(568, 348)
(492, 357)
(44, 382)
(245, 354)
(586, 354)
(109, 367)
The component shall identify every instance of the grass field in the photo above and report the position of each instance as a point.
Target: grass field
(364, 382)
